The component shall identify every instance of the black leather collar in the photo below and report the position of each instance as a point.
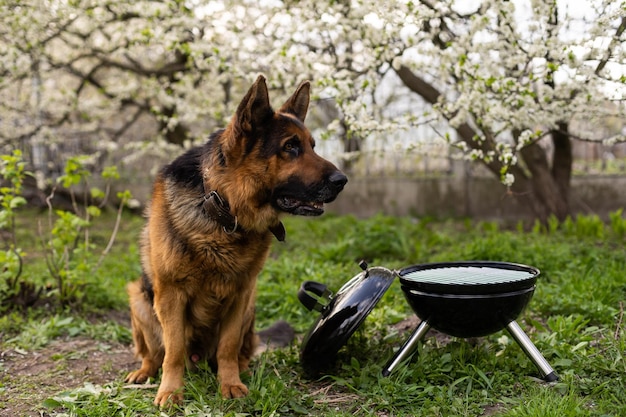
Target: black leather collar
(218, 209)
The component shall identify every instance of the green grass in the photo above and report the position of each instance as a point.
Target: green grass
(575, 320)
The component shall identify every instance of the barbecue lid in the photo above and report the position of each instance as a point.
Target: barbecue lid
(340, 314)
(468, 277)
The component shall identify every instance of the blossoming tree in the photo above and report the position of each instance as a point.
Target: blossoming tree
(507, 76)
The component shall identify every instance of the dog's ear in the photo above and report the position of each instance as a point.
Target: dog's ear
(255, 107)
(298, 103)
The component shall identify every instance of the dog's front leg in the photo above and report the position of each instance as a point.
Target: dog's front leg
(170, 309)
(230, 341)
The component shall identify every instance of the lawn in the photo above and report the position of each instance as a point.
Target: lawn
(78, 354)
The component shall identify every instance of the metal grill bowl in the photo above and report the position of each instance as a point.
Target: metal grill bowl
(468, 299)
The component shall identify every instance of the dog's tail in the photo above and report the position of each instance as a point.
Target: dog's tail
(278, 335)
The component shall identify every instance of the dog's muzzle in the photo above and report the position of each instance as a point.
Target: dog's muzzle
(337, 181)
(301, 200)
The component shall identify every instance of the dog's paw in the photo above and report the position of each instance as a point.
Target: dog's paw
(137, 377)
(237, 390)
(165, 398)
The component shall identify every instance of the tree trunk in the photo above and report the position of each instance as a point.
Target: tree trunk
(178, 134)
(351, 143)
(542, 186)
(562, 160)
(542, 189)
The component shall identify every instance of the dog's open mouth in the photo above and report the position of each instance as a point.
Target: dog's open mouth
(300, 207)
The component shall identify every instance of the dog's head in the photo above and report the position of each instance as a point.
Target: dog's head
(272, 156)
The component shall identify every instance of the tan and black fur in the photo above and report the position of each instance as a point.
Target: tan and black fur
(196, 297)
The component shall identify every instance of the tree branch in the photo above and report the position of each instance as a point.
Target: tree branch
(609, 49)
(465, 131)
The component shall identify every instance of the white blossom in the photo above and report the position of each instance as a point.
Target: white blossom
(508, 179)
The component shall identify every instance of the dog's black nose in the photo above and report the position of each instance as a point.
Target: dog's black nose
(338, 179)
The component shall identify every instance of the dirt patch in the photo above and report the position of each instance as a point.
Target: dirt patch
(410, 324)
(28, 378)
(493, 410)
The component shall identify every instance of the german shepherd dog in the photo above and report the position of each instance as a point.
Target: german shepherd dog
(212, 218)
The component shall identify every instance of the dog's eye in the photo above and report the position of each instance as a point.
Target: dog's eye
(292, 146)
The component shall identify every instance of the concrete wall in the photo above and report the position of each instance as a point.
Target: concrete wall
(476, 197)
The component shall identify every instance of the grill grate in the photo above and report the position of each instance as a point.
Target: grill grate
(468, 275)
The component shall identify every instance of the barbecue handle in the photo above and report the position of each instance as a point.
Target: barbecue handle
(320, 291)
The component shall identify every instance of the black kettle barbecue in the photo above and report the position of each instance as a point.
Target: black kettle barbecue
(462, 299)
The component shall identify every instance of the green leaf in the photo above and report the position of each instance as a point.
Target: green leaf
(17, 201)
(96, 192)
(111, 173)
(51, 403)
(94, 211)
(124, 195)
